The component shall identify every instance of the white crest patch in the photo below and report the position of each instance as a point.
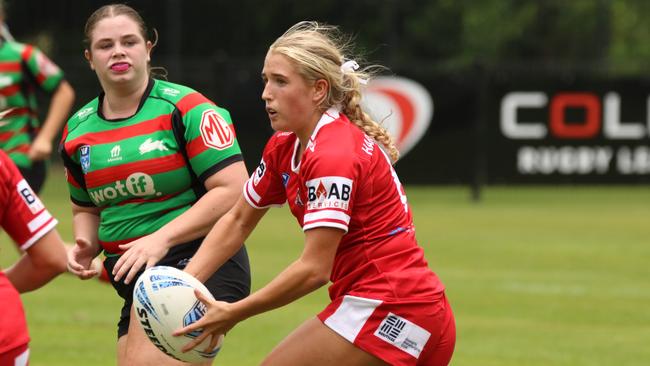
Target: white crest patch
(403, 334)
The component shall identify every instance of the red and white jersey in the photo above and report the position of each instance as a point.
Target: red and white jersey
(345, 181)
(22, 214)
(25, 219)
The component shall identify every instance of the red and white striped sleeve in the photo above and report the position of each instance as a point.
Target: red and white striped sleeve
(264, 188)
(24, 216)
(330, 188)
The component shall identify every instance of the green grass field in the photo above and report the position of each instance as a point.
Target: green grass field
(536, 276)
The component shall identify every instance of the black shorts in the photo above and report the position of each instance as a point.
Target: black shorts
(35, 175)
(230, 283)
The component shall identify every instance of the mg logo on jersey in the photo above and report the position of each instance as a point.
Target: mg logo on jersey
(329, 192)
(404, 106)
(215, 131)
(136, 184)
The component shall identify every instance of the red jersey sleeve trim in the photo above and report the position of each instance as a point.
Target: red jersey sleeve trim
(27, 53)
(190, 101)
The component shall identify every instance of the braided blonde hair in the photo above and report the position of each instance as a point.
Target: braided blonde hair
(318, 51)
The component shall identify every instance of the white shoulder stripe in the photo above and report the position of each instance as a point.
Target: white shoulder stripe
(327, 214)
(316, 224)
(253, 198)
(39, 220)
(249, 192)
(46, 229)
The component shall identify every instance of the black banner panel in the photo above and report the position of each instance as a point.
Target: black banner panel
(576, 131)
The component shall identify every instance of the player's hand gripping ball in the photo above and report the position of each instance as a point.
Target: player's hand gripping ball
(164, 301)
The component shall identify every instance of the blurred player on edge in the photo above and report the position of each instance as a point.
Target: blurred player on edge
(23, 69)
(30, 225)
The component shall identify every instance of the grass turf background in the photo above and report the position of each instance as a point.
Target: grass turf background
(536, 276)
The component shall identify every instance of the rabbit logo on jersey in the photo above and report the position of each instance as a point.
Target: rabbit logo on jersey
(329, 192)
(136, 184)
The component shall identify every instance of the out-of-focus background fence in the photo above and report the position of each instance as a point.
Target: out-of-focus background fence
(523, 91)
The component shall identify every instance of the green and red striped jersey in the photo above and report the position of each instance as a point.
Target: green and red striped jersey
(143, 171)
(23, 69)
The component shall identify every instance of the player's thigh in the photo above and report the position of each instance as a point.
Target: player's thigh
(313, 343)
(121, 350)
(139, 350)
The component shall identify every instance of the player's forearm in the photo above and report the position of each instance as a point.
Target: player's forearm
(221, 243)
(225, 238)
(42, 262)
(60, 105)
(85, 223)
(311, 271)
(197, 221)
(26, 276)
(296, 281)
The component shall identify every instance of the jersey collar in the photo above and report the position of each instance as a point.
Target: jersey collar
(330, 115)
(143, 98)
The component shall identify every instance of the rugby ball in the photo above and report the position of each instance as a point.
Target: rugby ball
(164, 301)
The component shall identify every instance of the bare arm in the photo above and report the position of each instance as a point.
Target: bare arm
(225, 239)
(86, 225)
(60, 105)
(41, 263)
(85, 222)
(223, 188)
(308, 273)
(311, 271)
